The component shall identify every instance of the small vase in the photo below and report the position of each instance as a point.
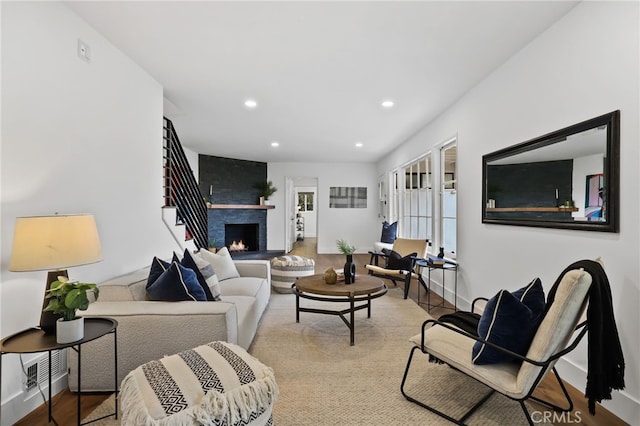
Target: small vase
(69, 331)
(441, 252)
(349, 270)
(330, 276)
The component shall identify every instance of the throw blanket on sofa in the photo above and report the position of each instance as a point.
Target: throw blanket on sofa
(214, 384)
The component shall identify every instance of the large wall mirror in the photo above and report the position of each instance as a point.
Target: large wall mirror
(565, 179)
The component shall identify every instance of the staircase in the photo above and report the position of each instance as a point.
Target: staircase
(181, 191)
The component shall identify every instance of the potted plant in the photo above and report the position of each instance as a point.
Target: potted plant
(65, 298)
(266, 189)
(349, 266)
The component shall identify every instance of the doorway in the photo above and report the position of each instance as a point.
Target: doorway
(302, 210)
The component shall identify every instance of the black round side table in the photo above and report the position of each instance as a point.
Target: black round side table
(35, 340)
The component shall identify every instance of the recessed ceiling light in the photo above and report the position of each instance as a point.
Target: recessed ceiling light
(275, 144)
(251, 103)
(358, 144)
(387, 103)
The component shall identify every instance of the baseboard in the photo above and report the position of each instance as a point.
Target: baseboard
(623, 405)
(21, 404)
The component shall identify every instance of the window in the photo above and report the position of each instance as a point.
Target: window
(417, 197)
(382, 199)
(305, 201)
(448, 154)
(423, 198)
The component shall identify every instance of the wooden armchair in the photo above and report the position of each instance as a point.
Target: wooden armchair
(407, 269)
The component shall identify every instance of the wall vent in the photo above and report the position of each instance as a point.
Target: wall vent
(32, 377)
(37, 370)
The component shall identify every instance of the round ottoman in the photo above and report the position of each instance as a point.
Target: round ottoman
(285, 270)
(214, 384)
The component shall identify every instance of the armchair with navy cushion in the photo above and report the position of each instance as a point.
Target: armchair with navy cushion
(399, 262)
(521, 340)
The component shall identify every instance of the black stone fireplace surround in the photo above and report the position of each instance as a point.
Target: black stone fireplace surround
(219, 219)
(227, 181)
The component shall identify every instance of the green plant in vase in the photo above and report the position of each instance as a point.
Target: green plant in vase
(349, 267)
(345, 247)
(66, 298)
(266, 189)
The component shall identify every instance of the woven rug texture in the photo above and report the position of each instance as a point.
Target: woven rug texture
(325, 381)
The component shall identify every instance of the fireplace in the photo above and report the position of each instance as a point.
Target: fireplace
(241, 236)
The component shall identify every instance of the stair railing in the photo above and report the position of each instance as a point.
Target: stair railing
(181, 189)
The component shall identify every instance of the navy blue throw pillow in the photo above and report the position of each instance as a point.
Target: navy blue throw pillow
(188, 262)
(396, 261)
(175, 284)
(158, 266)
(389, 232)
(509, 320)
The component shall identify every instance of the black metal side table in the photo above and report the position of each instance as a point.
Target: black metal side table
(34, 340)
(447, 266)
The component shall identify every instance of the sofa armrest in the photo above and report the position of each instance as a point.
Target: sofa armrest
(127, 287)
(254, 268)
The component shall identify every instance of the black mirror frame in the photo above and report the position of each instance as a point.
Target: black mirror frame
(612, 175)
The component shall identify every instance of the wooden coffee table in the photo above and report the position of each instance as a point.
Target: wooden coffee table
(365, 289)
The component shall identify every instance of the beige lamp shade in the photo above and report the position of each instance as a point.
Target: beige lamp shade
(54, 242)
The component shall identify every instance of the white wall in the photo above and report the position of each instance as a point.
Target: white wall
(359, 227)
(192, 158)
(585, 65)
(76, 137)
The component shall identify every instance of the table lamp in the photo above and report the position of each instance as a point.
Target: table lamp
(53, 243)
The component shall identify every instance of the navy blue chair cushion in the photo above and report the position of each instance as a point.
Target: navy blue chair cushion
(389, 231)
(397, 261)
(509, 320)
(175, 283)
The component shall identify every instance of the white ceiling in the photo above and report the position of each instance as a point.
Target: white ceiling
(318, 70)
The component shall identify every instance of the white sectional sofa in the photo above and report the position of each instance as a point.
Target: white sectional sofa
(149, 330)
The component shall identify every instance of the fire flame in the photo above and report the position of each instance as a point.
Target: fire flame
(237, 246)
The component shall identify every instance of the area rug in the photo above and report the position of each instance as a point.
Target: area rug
(325, 381)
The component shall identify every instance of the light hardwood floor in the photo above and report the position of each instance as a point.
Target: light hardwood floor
(65, 408)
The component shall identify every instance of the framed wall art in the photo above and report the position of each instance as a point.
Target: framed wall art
(348, 197)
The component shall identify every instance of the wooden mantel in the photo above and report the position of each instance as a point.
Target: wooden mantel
(533, 209)
(240, 206)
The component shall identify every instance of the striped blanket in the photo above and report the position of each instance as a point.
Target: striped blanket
(215, 384)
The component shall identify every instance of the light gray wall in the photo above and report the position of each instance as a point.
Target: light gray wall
(585, 65)
(359, 227)
(76, 138)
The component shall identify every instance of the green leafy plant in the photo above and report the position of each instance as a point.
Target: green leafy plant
(344, 247)
(66, 297)
(266, 189)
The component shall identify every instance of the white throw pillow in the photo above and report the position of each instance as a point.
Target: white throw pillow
(222, 263)
(209, 274)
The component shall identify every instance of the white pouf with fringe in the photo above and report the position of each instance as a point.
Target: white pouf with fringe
(215, 384)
